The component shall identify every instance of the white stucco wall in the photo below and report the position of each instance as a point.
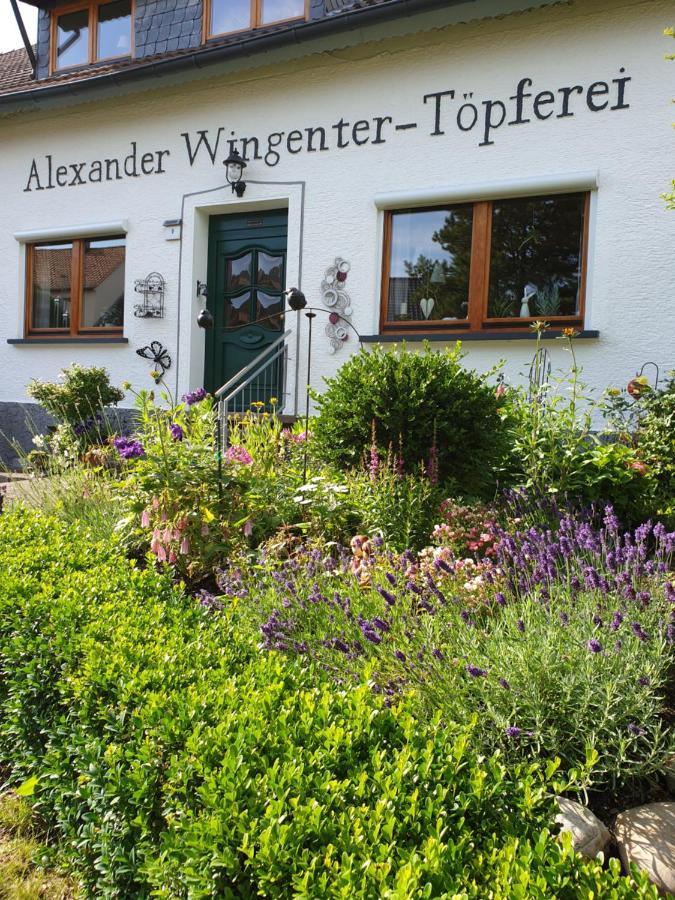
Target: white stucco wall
(631, 280)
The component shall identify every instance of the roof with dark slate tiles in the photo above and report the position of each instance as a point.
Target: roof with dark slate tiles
(16, 78)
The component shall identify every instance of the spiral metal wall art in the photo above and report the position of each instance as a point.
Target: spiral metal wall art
(337, 300)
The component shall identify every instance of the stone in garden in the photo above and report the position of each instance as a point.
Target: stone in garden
(646, 837)
(589, 834)
(670, 773)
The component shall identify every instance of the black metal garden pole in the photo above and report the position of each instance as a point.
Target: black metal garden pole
(310, 316)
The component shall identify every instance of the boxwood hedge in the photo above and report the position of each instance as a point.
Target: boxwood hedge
(176, 760)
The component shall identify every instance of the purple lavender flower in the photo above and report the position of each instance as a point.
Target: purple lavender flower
(399, 655)
(635, 729)
(617, 619)
(670, 633)
(618, 645)
(644, 681)
(475, 672)
(564, 619)
(504, 683)
(520, 625)
(391, 578)
(381, 625)
(437, 654)
(639, 632)
(388, 597)
(513, 731)
(594, 645)
(177, 432)
(500, 598)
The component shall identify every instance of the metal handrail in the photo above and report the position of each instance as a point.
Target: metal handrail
(254, 362)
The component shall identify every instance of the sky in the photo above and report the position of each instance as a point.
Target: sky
(10, 37)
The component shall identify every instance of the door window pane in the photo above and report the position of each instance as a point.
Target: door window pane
(114, 29)
(429, 265)
(72, 39)
(52, 269)
(269, 306)
(230, 15)
(278, 10)
(536, 255)
(270, 271)
(103, 285)
(238, 273)
(237, 310)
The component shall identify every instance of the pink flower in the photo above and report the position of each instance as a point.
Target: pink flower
(248, 528)
(161, 553)
(236, 454)
(172, 557)
(145, 519)
(155, 502)
(184, 546)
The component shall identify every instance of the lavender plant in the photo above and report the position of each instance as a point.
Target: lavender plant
(562, 645)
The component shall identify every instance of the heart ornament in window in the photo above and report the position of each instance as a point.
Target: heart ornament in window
(427, 305)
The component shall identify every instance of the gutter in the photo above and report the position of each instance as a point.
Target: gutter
(24, 37)
(210, 55)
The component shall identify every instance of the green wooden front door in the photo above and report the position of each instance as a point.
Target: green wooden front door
(246, 280)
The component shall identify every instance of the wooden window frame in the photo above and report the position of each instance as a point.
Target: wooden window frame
(75, 330)
(255, 19)
(92, 50)
(477, 319)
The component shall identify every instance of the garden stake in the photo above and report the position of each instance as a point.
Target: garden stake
(310, 316)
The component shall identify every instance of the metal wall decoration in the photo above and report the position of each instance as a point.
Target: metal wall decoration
(152, 288)
(336, 298)
(158, 354)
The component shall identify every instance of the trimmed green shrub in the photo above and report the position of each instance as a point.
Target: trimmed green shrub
(414, 400)
(84, 392)
(177, 761)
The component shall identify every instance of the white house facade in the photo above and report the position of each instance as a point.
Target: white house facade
(418, 170)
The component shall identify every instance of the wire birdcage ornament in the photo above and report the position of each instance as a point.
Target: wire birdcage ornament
(152, 288)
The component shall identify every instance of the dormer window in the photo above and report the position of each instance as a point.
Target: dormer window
(231, 16)
(88, 32)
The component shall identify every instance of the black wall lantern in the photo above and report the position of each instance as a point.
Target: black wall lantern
(234, 170)
(204, 317)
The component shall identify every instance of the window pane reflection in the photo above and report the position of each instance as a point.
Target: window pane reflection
(230, 15)
(535, 265)
(429, 264)
(52, 270)
(72, 39)
(239, 272)
(114, 29)
(278, 10)
(268, 306)
(237, 310)
(103, 285)
(270, 271)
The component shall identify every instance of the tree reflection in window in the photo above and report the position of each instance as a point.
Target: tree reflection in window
(430, 263)
(536, 251)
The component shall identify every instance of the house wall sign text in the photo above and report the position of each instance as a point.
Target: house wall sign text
(440, 115)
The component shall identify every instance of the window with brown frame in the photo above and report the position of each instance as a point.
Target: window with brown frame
(230, 16)
(490, 265)
(75, 288)
(87, 32)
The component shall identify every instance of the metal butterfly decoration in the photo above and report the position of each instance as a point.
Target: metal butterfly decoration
(158, 354)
